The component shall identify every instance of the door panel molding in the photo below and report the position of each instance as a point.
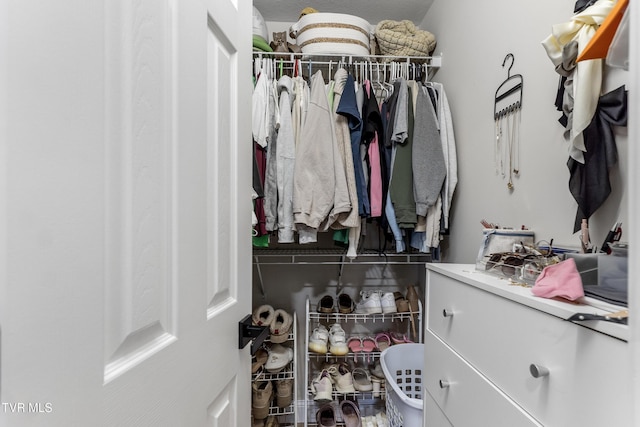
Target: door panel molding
(222, 66)
(140, 148)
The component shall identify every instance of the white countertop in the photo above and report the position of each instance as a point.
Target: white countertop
(467, 273)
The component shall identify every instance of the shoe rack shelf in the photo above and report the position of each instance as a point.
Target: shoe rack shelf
(287, 415)
(337, 257)
(358, 318)
(371, 399)
(317, 256)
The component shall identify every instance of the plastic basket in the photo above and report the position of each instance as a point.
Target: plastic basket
(402, 366)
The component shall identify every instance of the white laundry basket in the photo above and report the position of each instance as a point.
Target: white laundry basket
(402, 367)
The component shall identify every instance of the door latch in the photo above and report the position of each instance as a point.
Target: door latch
(248, 332)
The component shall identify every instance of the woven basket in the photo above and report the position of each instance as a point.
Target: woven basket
(403, 38)
(332, 33)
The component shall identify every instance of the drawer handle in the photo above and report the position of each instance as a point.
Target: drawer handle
(538, 371)
(447, 313)
(443, 384)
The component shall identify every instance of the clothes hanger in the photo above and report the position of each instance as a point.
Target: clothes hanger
(512, 85)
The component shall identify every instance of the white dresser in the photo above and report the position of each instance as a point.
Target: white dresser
(495, 355)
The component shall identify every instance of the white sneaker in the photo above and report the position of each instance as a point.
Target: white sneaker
(370, 303)
(322, 387)
(388, 303)
(318, 340)
(338, 340)
(279, 357)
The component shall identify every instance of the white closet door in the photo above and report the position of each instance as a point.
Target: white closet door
(125, 212)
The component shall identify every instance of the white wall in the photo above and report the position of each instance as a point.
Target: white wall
(474, 38)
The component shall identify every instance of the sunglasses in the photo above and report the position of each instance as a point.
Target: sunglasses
(511, 264)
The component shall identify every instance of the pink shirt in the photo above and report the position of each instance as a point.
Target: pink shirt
(375, 180)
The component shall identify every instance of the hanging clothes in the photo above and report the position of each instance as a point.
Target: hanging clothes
(401, 186)
(429, 168)
(376, 170)
(343, 134)
(285, 162)
(588, 79)
(445, 125)
(589, 181)
(320, 187)
(260, 130)
(300, 106)
(348, 108)
(271, 173)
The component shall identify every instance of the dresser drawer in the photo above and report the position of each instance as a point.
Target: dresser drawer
(502, 339)
(468, 399)
(433, 415)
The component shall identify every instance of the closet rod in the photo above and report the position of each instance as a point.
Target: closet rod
(432, 61)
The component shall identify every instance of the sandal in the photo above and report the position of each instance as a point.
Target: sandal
(345, 304)
(355, 344)
(368, 344)
(383, 341)
(326, 304)
(361, 380)
(399, 338)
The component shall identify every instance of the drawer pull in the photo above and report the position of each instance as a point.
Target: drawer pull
(447, 313)
(538, 371)
(443, 384)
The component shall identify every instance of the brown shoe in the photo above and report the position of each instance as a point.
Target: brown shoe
(412, 297)
(326, 416)
(283, 393)
(261, 399)
(401, 302)
(272, 421)
(350, 414)
(261, 358)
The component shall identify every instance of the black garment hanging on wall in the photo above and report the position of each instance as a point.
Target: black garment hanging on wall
(589, 182)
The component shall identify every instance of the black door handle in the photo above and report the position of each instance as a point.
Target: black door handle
(248, 332)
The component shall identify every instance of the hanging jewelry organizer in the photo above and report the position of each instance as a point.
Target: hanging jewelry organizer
(507, 109)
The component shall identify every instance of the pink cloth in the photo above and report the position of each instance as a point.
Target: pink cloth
(375, 178)
(559, 280)
(375, 181)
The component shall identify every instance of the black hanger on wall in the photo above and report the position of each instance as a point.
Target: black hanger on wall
(511, 86)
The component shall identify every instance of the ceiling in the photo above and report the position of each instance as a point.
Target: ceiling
(373, 11)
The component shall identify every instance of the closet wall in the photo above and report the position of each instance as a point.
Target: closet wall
(473, 51)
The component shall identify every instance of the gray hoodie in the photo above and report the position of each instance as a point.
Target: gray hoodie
(285, 161)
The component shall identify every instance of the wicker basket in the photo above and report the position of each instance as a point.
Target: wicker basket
(332, 33)
(403, 38)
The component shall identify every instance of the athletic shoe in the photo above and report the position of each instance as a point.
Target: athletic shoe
(369, 304)
(322, 387)
(279, 357)
(338, 340)
(318, 340)
(388, 303)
